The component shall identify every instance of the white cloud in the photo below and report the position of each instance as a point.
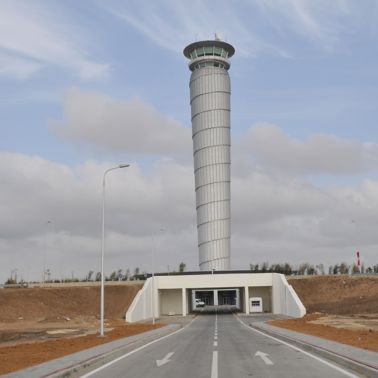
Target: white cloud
(35, 37)
(319, 154)
(17, 67)
(316, 20)
(172, 24)
(275, 217)
(254, 27)
(36, 191)
(129, 126)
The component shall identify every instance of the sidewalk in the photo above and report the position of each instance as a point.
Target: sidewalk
(360, 360)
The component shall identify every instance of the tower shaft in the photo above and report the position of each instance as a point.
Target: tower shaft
(210, 92)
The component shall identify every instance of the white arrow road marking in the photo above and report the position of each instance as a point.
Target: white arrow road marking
(264, 357)
(165, 360)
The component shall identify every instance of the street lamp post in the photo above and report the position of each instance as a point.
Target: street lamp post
(44, 253)
(103, 244)
(153, 279)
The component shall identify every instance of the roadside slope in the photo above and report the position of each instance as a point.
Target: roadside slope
(47, 304)
(339, 295)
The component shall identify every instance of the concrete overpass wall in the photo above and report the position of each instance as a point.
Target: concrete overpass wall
(265, 292)
(283, 299)
(141, 307)
(170, 301)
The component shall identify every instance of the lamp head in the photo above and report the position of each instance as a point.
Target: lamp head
(123, 165)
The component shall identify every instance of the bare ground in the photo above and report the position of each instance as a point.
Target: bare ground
(339, 308)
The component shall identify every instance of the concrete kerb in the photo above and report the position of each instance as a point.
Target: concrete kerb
(73, 363)
(361, 367)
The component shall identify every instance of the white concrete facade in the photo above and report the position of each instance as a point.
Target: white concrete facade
(171, 293)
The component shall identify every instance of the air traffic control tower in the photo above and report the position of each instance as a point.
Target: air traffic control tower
(210, 92)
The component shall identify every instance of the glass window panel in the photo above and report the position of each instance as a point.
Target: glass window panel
(209, 50)
(217, 51)
(200, 52)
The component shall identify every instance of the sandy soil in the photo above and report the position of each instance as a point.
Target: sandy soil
(341, 308)
(344, 332)
(63, 303)
(16, 357)
(340, 295)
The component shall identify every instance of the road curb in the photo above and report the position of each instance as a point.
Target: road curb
(352, 364)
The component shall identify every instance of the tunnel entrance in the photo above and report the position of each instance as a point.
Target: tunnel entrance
(215, 300)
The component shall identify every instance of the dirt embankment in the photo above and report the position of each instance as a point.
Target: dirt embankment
(339, 308)
(39, 324)
(51, 304)
(340, 295)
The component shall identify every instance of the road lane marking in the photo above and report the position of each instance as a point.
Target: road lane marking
(215, 343)
(347, 373)
(215, 337)
(214, 365)
(164, 360)
(264, 357)
(134, 351)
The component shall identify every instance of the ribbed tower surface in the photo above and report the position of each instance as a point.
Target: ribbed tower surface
(210, 92)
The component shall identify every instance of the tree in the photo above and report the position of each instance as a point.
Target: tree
(344, 268)
(302, 270)
(126, 277)
(119, 275)
(355, 269)
(113, 276)
(10, 281)
(182, 267)
(320, 268)
(335, 269)
(98, 276)
(264, 267)
(89, 275)
(287, 269)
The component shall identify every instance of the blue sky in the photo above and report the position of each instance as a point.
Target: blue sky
(85, 85)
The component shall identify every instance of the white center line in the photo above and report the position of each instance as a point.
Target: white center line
(214, 365)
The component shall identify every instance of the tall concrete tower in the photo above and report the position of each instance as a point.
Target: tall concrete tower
(210, 92)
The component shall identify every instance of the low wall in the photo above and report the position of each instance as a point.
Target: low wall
(285, 299)
(141, 307)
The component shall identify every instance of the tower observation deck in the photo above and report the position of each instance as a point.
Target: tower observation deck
(210, 92)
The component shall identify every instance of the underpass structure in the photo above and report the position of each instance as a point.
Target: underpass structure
(165, 294)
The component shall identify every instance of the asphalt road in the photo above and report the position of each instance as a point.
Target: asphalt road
(217, 346)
